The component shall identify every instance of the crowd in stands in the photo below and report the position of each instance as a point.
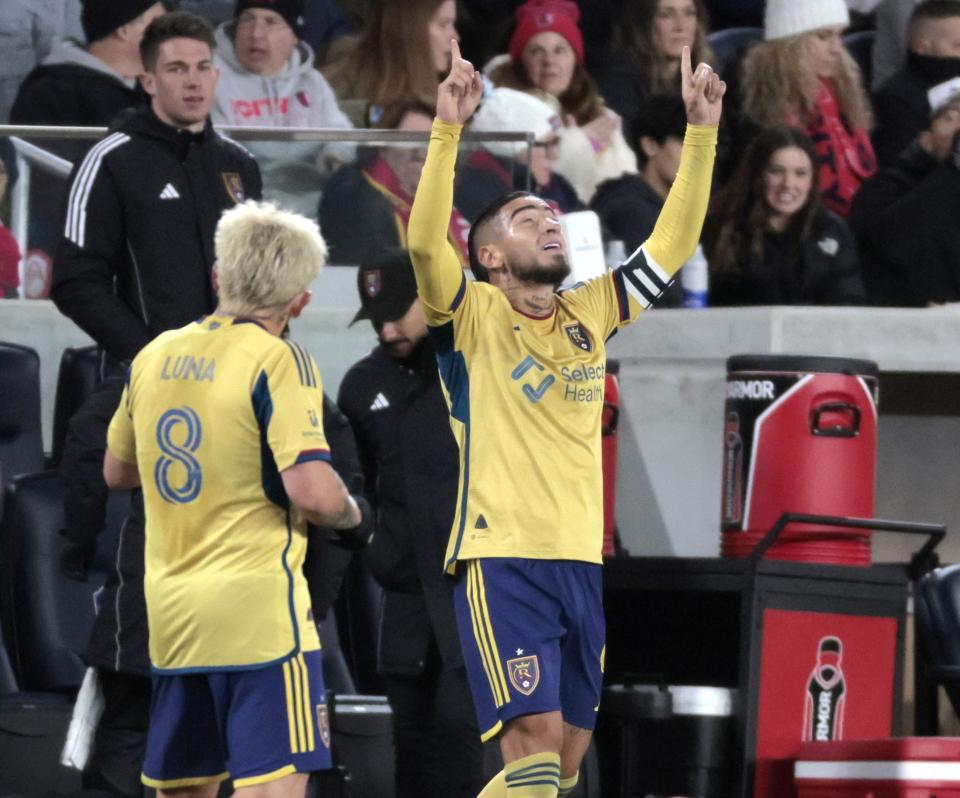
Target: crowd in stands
(593, 81)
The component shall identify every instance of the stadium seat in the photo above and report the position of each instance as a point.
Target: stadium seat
(729, 46)
(78, 377)
(937, 615)
(860, 45)
(21, 441)
(46, 617)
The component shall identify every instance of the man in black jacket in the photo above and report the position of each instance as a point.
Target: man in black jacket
(628, 206)
(135, 260)
(905, 218)
(395, 403)
(901, 105)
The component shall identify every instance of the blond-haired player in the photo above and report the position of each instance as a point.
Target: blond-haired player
(221, 425)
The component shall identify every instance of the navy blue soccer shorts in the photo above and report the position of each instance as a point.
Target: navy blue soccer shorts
(532, 634)
(253, 726)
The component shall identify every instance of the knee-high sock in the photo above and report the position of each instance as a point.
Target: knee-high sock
(534, 776)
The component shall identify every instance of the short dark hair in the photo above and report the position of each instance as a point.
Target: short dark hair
(486, 217)
(175, 25)
(933, 9)
(659, 117)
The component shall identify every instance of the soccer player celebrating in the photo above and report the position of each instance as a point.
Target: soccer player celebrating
(221, 424)
(523, 368)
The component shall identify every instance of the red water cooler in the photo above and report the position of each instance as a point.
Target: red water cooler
(800, 436)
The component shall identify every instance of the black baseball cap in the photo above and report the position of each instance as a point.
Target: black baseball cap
(387, 287)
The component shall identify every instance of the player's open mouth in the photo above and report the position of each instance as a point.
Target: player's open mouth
(552, 245)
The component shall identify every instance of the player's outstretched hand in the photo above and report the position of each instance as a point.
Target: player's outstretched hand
(459, 94)
(702, 92)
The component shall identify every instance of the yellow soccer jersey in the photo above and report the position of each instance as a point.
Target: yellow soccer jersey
(526, 394)
(211, 415)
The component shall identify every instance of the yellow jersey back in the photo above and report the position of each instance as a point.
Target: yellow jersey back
(212, 413)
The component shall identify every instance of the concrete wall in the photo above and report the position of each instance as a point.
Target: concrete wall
(672, 385)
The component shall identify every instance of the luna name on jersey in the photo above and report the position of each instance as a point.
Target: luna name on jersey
(583, 393)
(188, 367)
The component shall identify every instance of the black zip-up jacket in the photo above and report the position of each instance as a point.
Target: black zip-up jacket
(137, 248)
(901, 107)
(410, 464)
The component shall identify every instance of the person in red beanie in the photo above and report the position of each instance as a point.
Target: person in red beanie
(546, 56)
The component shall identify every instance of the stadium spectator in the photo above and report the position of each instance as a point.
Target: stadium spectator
(901, 106)
(9, 249)
(267, 78)
(499, 166)
(232, 461)
(905, 217)
(803, 75)
(628, 206)
(891, 18)
(90, 85)
(546, 59)
(135, 260)
(768, 240)
(523, 367)
(28, 30)
(395, 403)
(398, 57)
(645, 56)
(365, 206)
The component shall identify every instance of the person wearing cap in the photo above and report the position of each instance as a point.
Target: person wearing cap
(267, 79)
(801, 74)
(523, 369)
(933, 58)
(499, 166)
(89, 86)
(135, 259)
(905, 217)
(395, 404)
(546, 58)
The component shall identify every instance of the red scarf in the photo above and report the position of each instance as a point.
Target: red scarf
(846, 157)
(384, 180)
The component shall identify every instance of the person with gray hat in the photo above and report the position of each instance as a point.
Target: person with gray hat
(394, 402)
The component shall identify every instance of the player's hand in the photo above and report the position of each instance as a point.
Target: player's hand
(459, 94)
(702, 92)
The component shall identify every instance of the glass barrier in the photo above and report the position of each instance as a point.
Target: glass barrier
(357, 184)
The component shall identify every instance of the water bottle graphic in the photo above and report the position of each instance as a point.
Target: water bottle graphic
(824, 702)
(732, 511)
(695, 280)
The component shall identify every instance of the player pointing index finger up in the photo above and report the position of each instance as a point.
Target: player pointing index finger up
(523, 368)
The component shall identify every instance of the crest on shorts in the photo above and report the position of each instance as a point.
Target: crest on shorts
(372, 283)
(234, 186)
(524, 673)
(323, 724)
(578, 336)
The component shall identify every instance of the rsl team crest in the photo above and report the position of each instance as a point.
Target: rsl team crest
(372, 283)
(234, 186)
(578, 336)
(524, 673)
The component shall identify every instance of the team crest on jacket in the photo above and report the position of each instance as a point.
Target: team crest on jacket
(323, 724)
(524, 673)
(578, 336)
(372, 282)
(234, 186)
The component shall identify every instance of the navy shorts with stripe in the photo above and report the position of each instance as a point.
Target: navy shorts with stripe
(253, 726)
(532, 634)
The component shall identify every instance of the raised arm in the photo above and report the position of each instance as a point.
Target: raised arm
(439, 275)
(678, 227)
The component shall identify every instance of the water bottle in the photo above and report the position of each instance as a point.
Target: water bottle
(614, 254)
(695, 280)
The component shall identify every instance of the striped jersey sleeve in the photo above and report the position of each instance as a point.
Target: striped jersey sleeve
(82, 188)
